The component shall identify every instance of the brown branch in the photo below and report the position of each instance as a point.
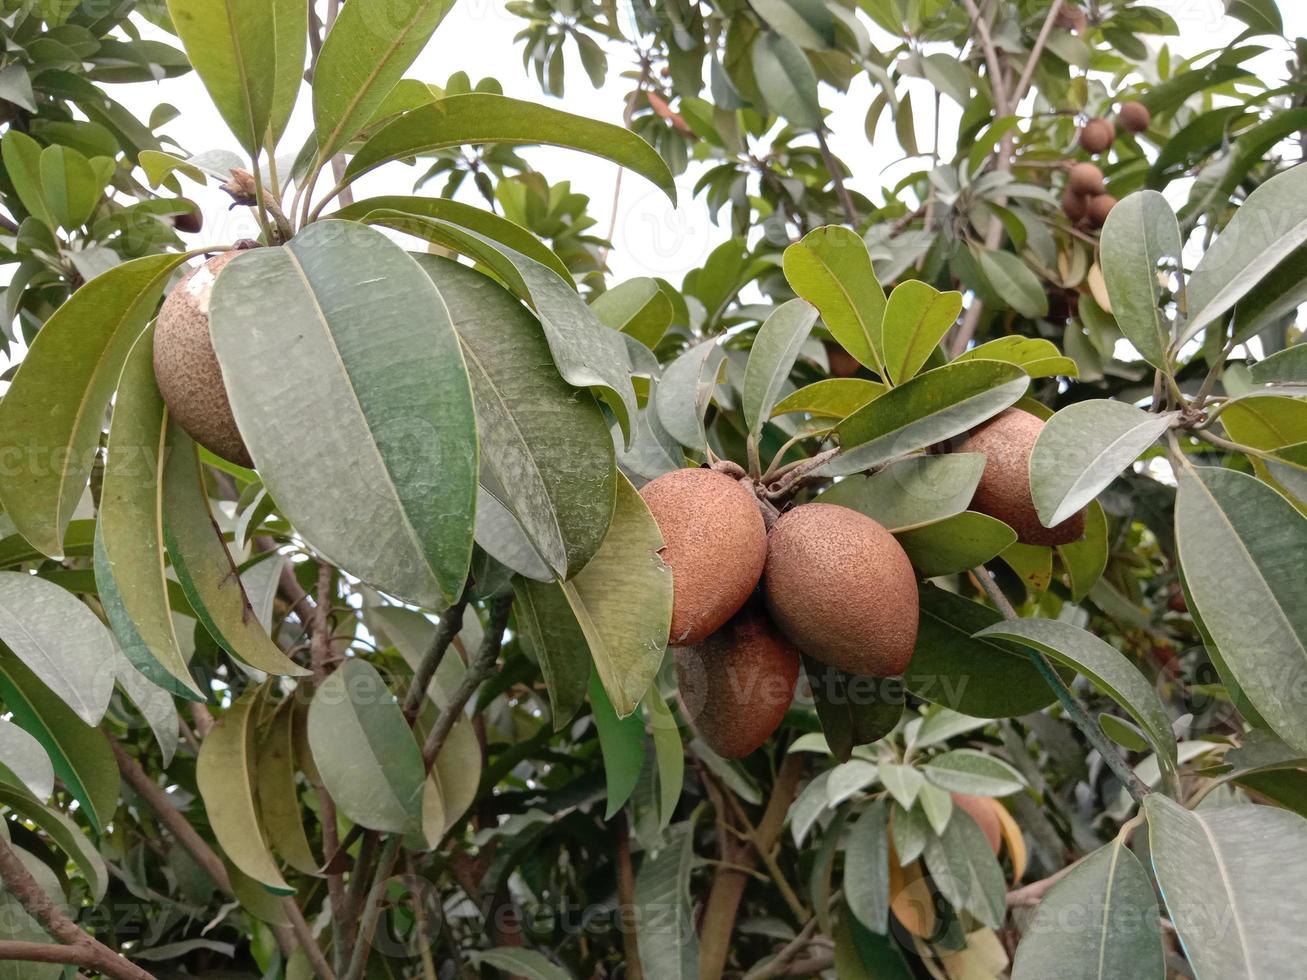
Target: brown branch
(777, 965)
(841, 191)
(626, 900)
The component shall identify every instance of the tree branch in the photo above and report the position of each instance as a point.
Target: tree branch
(841, 191)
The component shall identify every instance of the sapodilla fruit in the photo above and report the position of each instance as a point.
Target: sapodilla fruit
(842, 589)
(842, 363)
(1134, 117)
(186, 367)
(1097, 136)
(1100, 207)
(191, 222)
(1075, 206)
(738, 683)
(1006, 442)
(981, 810)
(716, 547)
(1086, 180)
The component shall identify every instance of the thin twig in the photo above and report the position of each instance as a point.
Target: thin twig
(841, 191)
(775, 966)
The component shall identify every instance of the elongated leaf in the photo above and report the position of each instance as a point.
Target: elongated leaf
(621, 741)
(637, 307)
(1100, 922)
(1083, 448)
(930, 408)
(1104, 665)
(480, 117)
(547, 445)
(291, 29)
(1014, 283)
(853, 710)
(669, 754)
(1039, 358)
(24, 763)
(1223, 873)
(835, 398)
(69, 837)
(866, 869)
(155, 704)
(964, 869)
(623, 602)
(685, 390)
(1241, 546)
(369, 48)
(1288, 365)
(227, 775)
(50, 418)
(233, 46)
(1270, 224)
(1086, 560)
(974, 773)
(279, 805)
(772, 357)
(912, 492)
(831, 269)
(669, 947)
(390, 406)
(546, 618)
(1141, 243)
(60, 640)
(786, 80)
(916, 319)
(72, 190)
(22, 160)
(954, 545)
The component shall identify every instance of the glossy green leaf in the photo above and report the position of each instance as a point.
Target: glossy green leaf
(685, 390)
(853, 710)
(831, 268)
(974, 773)
(621, 742)
(1086, 560)
(669, 754)
(866, 868)
(1140, 246)
(51, 416)
(22, 160)
(1014, 283)
(786, 80)
(956, 544)
(1241, 546)
(66, 834)
(1033, 564)
(546, 618)
(964, 869)
(913, 492)
(1039, 358)
(835, 398)
(808, 23)
(669, 946)
(771, 359)
(637, 307)
(70, 187)
(1083, 448)
(916, 318)
(291, 30)
(391, 404)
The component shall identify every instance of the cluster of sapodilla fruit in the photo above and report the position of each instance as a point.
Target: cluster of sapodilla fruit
(825, 580)
(1086, 200)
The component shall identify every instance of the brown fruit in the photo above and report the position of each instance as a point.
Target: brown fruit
(1074, 206)
(738, 683)
(190, 222)
(842, 589)
(842, 363)
(716, 546)
(1004, 490)
(186, 367)
(1097, 136)
(981, 810)
(1086, 180)
(1100, 207)
(1072, 19)
(1134, 117)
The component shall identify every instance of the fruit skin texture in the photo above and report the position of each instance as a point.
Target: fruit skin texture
(1100, 207)
(738, 683)
(1134, 117)
(842, 589)
(981, 810)
(1006, 442)
(186, 367)
(716, 546)
(1086, 180)
(1098, 136)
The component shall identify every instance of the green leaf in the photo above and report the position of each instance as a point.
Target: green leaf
(685, 390)
(637, 307)
(956, 544)
(233, 46)
(226, 773)
(16, 87)
(79, 753)
(1122, 732)
(974, 773)
(71, 188)
(481, 117)
(1086, 560)
(1083, 448)
(22, 160)
(363, 747)
(916, 319)
(866, 869)
(964, 869)
(1224, 872)
(1014, 283)
(60, 640)
(1033, 564)
(786, 80)
(831, 268)
(1140, 244)
(24, 763)
(521, 963)
(1105, 666)
(972, 676)
(390, 406)
(547, 620)
(1241, 545)
(853, 710)
(913, 492)
(1039, 358)
(545, 446)
(51, 416)
(279, 804)
(69, 837)
(1100, 922)
(369, 48)
(669, 753)
(1262, 16)
(205, 568)
(930, 408)
(669, 946)
(1271, 223)
(808, 23)
(623, 602)
(291, 29)
(771, 358)
(1286, 366)
(835, 398)
(621, 742)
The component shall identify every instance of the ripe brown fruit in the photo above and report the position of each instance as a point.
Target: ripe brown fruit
(186, 367)
(842, 363)
(842, 589)
(1134, 117)
(716, 546)
(1097, 136)
(1086, 180)
(1006, 442)
(190, 222)
(738, 683)
(1075, 206)
(1072, 19)
(1099, 208)
(981, 810)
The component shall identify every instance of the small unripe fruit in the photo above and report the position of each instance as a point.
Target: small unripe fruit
(1075, 206)
(1134, 117)
(1006, 442)
(981, 810)
(1086, 180)
(1099, 208)
(190, 222)
(842, 589)
(1097, 136)
(842, 363)
(716, 547)
(186, 367)
(738, 683)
